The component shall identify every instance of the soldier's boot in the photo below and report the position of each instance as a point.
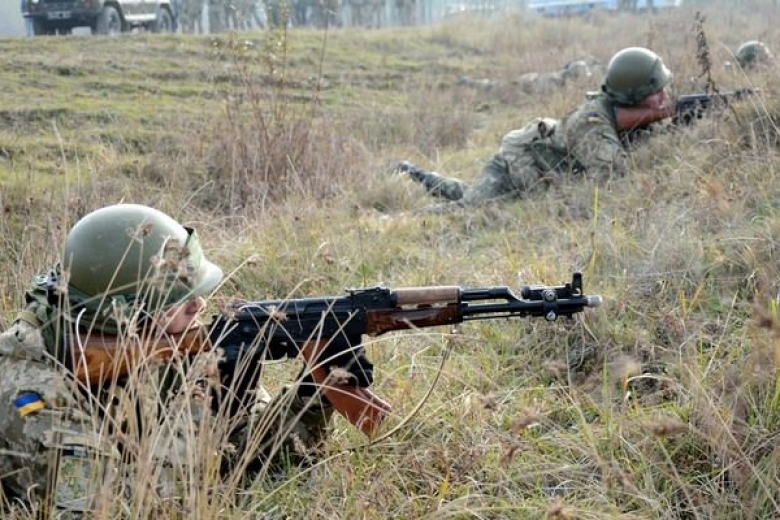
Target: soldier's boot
(435, 184)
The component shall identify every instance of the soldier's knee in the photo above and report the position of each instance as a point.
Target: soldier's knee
(496, 166)
(497, 172)
(450, 189)
(493, 183)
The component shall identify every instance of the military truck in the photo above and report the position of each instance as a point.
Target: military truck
(101, 16)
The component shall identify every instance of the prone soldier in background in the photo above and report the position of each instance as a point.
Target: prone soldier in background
(593, 140)
(127, 271)
(545, 82)
(542, 82)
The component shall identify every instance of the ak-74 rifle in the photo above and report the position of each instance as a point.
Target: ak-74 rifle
(256, 331)
(690, 107)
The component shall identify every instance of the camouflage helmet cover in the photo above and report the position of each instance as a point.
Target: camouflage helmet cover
(633, 74)
(752, 53)
(136, 252)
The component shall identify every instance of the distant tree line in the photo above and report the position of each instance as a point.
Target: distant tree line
(223, 15)
(633, 5)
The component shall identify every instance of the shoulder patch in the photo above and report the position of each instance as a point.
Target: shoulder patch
(593, 117)
(28, 402)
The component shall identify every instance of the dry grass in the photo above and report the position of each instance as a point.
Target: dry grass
(661, 404)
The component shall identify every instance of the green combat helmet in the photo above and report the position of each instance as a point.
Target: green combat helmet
(752, 54)
(124, 258)
(633, 74)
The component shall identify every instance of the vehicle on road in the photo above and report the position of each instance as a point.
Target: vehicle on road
(101, 16)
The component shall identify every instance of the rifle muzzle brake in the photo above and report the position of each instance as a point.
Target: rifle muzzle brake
(593, 301)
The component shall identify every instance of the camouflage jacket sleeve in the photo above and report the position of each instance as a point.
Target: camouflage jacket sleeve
(591, 137)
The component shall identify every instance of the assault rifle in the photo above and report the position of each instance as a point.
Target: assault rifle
(253, 331)
(692, 106)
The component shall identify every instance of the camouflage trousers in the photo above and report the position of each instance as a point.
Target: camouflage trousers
(518, 168)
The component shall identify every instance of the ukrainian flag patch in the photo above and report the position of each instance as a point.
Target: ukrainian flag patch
(593, 117)
(28, 403)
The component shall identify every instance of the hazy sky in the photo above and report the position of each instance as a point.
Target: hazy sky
(11, 23)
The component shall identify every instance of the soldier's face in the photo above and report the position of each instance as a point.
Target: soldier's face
(657, 101)
(182, 316)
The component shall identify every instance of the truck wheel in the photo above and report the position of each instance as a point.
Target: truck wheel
(108, 22)
(40, 27)
(164, 21)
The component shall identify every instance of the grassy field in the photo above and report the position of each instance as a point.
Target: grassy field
(663, 403)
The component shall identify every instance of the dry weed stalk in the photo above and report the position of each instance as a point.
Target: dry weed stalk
(703, 55)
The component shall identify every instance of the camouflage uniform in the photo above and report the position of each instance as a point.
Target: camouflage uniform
(48, 446)
(54, 449)
(585, 142)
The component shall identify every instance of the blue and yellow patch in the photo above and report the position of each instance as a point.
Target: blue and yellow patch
(28, 403)
(593, 117)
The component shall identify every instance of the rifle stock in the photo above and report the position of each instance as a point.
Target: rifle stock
(304, 327)
(99, 358)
